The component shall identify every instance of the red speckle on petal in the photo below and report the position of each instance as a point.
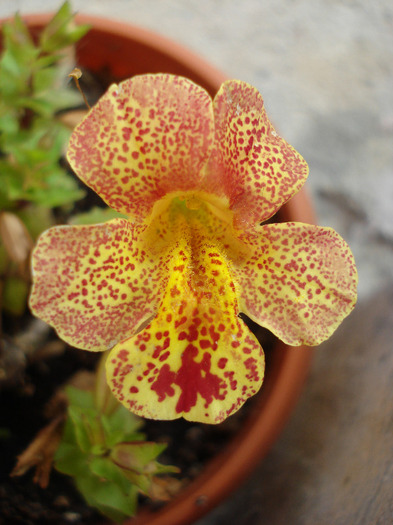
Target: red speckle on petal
(222, 362)
(163, 383)
(195, 378)
(251, 365)
(123, 355)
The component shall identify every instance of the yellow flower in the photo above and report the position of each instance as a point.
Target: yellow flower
(163, 289)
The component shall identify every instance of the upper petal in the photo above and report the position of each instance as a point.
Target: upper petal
(94, 284)
(148, 136)
(299, 281)
(255, 168)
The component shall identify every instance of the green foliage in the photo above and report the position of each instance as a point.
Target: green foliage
(107, 456)
(33, 89)
(14, 295)
(96, 216)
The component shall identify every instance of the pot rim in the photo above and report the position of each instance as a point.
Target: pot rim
(226, 471)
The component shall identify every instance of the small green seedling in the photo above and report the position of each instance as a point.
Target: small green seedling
(34, 91)
(107, 456)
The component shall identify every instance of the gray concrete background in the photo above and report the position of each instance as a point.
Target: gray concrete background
(325, 70)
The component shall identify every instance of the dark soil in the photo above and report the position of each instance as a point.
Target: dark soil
(22, 408)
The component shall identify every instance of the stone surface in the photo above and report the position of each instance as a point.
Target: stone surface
(333, 463)
(325, 69)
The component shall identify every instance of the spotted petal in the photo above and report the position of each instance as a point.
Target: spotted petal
(196, 359)
(94, 284)
(149, 136)
(300, 281)
(255, 168)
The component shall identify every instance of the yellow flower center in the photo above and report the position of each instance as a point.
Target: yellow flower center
(198, 218)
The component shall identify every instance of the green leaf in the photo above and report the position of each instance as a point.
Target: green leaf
(57, 190)
(17, 31)
(108, 497)
(36, 219)
(69, 433)
(80, 398)
(4, 259)
(14, 296)
(136, 456)
(160, 468)
(142, 481)
(17, 59)
(44, 61)
(62, 98)
(78, 32)
(49, 102)
(33, 88)
(14, 75)
(70, 460)
(96, 216)
(80, 420)
(9, 123)
(121, 426)
(44, 78)
(38, 104)
(11, 186)
(104, 400)
(104, 468)
(61, 30)
(100, 481)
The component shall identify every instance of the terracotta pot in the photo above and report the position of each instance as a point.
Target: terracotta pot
(121, 51)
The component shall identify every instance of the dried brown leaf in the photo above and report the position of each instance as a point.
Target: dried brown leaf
(16, 239)
(40, 453)
(163, 488)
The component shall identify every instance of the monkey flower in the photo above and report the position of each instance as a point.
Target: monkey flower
(163, 288)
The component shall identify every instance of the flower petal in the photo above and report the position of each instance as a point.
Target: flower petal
(255, 168)
(196, 359)
(300, 281)
(94, 284)
(148, 136)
